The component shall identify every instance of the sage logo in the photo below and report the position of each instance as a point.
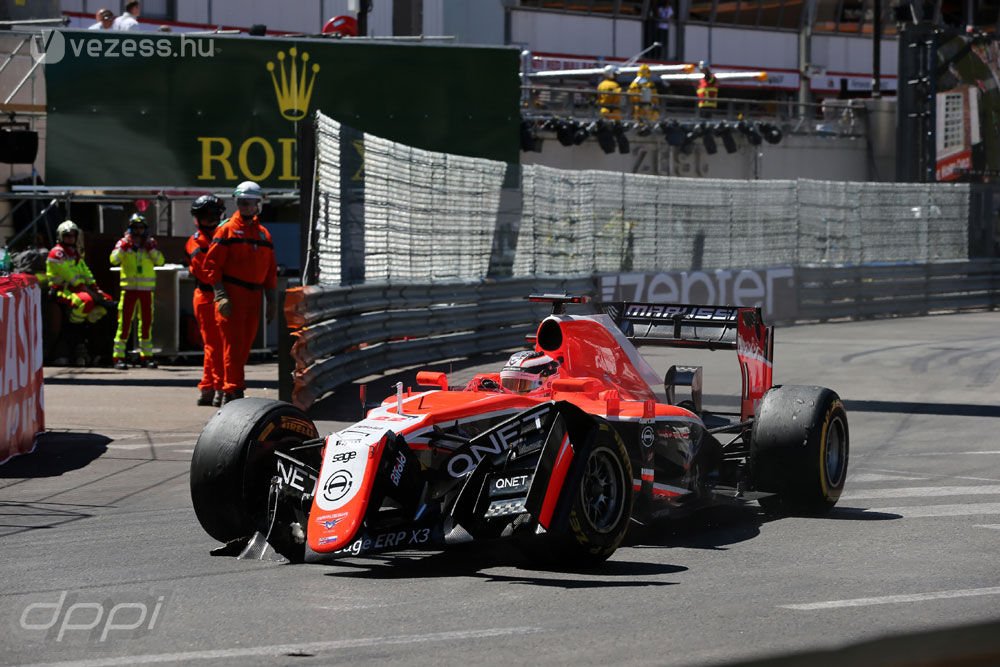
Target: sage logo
(76, 617)
(52, 46)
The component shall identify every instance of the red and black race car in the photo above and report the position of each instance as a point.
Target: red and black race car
(564, 449)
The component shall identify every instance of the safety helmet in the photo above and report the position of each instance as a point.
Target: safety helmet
(703, 65)
(67, 227)
(525, 371)
(644, 70)
(610, 71)
(207, 206)
(248, 190)
(136, 220)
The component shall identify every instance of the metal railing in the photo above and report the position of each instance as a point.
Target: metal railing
(345, 333)
(542, 102)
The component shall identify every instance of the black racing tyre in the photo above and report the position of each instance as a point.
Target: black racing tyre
(799, 449)
(599, 493)
(233, 463)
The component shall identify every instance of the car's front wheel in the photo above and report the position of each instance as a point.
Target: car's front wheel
(599, 494)
(234, 463)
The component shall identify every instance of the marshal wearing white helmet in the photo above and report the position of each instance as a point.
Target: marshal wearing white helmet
(73, 285)
(241, 268)
(527, 371)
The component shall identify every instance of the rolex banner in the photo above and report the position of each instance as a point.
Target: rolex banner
(152, 109)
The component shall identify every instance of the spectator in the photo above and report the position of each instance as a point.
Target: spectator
(129, 20)
(241, 269)
(708, 91)
(609, 95)
(72, 284)
(105, 19)
(137, 254)
(664, 15)
(641, 92)
(207, 211)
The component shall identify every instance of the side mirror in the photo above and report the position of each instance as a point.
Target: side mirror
(432, 379)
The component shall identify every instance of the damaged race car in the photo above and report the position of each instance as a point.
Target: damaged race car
(561, 451)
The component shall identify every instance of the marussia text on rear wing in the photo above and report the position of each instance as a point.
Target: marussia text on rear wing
(739, 328)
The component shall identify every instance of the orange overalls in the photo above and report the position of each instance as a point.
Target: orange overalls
(204, 311)
(241, 257)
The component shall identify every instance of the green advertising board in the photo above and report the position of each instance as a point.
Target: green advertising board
(153, 109)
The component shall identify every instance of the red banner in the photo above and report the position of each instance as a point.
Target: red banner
(22, 407)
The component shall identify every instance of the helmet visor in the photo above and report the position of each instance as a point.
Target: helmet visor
(518, 382)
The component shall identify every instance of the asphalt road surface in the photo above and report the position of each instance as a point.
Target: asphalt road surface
(103, 562)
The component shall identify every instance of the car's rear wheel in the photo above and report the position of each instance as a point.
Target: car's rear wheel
(800, 449)
(234, 462)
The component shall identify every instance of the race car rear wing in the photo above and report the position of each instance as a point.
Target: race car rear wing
(739, 328)
(678, 325)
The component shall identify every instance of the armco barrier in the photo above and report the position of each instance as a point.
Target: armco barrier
(827, 293)
(22, 412)
(345, 333)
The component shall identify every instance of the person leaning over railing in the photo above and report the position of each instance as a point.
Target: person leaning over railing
(641, 93)
(609, 95)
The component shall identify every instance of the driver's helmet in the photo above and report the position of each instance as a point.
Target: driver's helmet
(525, 371)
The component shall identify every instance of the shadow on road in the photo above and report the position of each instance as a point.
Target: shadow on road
(712, 528)
(56, 453)
(859, 514)
(917, 408)
(471, 560)
(717, 527)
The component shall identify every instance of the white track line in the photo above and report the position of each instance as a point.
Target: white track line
(893, 599)
(987, 453)
(282, 650)
(939, 476)
(147, 445)
(875, 477)
(919, 511)
(994, 526)
(921, 492)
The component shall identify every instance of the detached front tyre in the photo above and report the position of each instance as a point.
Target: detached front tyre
(799, 450)
(233, 465)
(596, 505)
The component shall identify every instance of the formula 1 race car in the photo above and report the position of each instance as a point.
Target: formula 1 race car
(561, 451)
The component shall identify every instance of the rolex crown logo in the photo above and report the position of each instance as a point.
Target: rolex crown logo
(290, 87)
